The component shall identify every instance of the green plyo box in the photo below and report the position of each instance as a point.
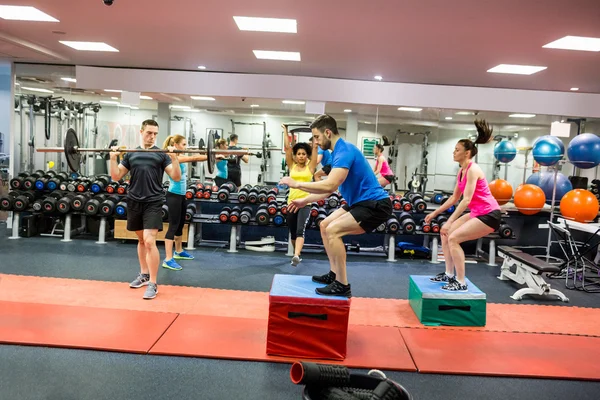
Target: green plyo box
(434, 306)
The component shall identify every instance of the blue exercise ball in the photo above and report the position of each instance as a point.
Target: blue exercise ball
(584, 151)
(546, 183)
(505, 151)
(534, 179)
(548, 150)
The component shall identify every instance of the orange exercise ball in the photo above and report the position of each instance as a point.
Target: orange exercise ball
(501, 190)
(580, 205)
(529, 199)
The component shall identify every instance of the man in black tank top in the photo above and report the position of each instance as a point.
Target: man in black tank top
(234, 170)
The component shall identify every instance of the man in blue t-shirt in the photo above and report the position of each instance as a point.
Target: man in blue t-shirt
(368, 204)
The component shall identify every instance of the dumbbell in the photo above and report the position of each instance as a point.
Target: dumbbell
(243, 194)
(100, 184)
(29, 181)
(225, 190)
(208, 189)
(272, 207)
(272, 195)
(441, 220)
(392, 225)
(57, 180)
(123, 188)
(314, 210)
(262, 195)
(112, 187)
(165, 212)
(92, 206)
(79, 201)
(224, 214)
(321, 202)
(41, 183)
(333, 201)
(7, 202)
(451, 209)
(278, 219)
(253, 195)
(407, 223)
(425, 227)
(396, 204)
(435, 227)
(121, 209)
(262, 215)
(505, 231)
(37, 205)
(190, 211)
(283, 209)
(320, 216)
(406, 204)
(50, 201)
(417, 200)
(72, 185)
(23, 200)
(107, 207)
(190, 193)
(234, 216)
(84, 185)
(16, 183)
(246, 215)
(64, 203)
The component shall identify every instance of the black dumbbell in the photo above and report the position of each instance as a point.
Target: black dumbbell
(225, 190)
(16, 183)
(272, 207)
(107, 207)
(425, 227)
(121, 209)
(100, 184)
(396, 204)
(165, 212)
(92, 206)
(320, 216)
(314, 210)
(441, 220)
(29, 182)
(79, 201)
(262, 215)
(435, 228)
(55, 182)
(123, 187)
(417, 200)
(234, 216)
(246, 215)
(83, 185)
(505, 231)
(243, 194)
(190, 211)
(50, 201)
(262, 195)
(224, 214)
(253, 196)
(406, 222)
(112, 187)
(272, 195)
(190, 193)
(278, 219)
(65, 202)
(23, 200)
(393, 225)
(333, 201)
(38, 205)
(7, 201)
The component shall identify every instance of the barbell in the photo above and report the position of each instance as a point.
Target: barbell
(73, 152)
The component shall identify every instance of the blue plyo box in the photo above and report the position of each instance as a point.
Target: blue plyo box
(434, 306)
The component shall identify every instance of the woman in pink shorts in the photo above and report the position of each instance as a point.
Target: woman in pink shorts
(484, 216)
(382, 169)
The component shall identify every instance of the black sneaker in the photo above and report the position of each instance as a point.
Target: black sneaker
(455, 286)
(327, 279)
(441, 277)
(336, 288)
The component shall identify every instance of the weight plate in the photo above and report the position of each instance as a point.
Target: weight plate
(210, 155)
(72, 155)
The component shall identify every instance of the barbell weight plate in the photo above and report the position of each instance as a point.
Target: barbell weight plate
(72, 155)
(210, 154)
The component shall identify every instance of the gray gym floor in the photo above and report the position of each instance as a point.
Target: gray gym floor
(49, 373)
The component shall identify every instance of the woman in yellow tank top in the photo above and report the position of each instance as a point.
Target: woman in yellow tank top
(302, 168)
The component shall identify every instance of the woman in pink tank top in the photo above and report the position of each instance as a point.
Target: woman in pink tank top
(382, 169)
(484, 216)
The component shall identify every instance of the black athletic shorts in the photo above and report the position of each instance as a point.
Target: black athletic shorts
(389, 178)
(327, 169)
(142, 216)
(371, 213)
(491, 219)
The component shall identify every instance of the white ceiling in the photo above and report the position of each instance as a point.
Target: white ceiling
(421, 41)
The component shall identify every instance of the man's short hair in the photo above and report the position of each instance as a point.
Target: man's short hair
(150, 122)
(323, 122)
(233, 137)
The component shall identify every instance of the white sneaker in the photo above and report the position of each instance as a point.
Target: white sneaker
(295, 261)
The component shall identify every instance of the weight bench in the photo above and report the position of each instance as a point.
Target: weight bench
(529, 270)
